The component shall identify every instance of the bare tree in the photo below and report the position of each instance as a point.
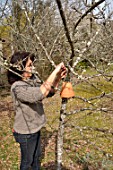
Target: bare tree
(69, 31)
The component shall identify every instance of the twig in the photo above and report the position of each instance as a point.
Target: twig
(88, 109)
(90, 128)
(38, 38)
(88, 11)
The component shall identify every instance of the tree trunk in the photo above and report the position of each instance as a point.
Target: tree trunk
(60, 134)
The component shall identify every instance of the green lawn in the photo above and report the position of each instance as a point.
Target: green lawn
(88, 137)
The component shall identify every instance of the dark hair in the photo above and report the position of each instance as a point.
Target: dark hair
(18, 61)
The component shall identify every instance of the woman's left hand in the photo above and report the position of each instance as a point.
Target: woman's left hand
(62, 73)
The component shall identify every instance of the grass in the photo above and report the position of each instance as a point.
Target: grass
(85, 147)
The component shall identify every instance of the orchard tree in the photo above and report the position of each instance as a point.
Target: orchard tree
(77, 32)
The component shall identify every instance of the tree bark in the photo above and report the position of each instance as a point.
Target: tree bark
(61, 133)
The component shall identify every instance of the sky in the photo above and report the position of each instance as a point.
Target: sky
(108, 1)
(111, 4)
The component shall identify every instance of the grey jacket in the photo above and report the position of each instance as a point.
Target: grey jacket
(27, 98)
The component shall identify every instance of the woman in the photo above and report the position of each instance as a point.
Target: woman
(27, 95)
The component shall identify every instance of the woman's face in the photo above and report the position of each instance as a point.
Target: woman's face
(28, 69)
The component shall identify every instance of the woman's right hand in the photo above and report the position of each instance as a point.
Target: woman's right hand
(61, 71)
(59, 67)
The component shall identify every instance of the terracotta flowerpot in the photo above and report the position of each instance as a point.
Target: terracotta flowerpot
(67, 90)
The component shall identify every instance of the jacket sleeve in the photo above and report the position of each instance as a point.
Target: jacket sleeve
(28, 94)
(50, 94)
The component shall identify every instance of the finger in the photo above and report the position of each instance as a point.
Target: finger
(63, 68)
(63, 74)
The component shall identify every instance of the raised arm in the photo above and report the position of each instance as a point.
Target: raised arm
(54, 78)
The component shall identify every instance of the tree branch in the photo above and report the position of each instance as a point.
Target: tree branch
(38, 38)
(88, 11)
(66, 30)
